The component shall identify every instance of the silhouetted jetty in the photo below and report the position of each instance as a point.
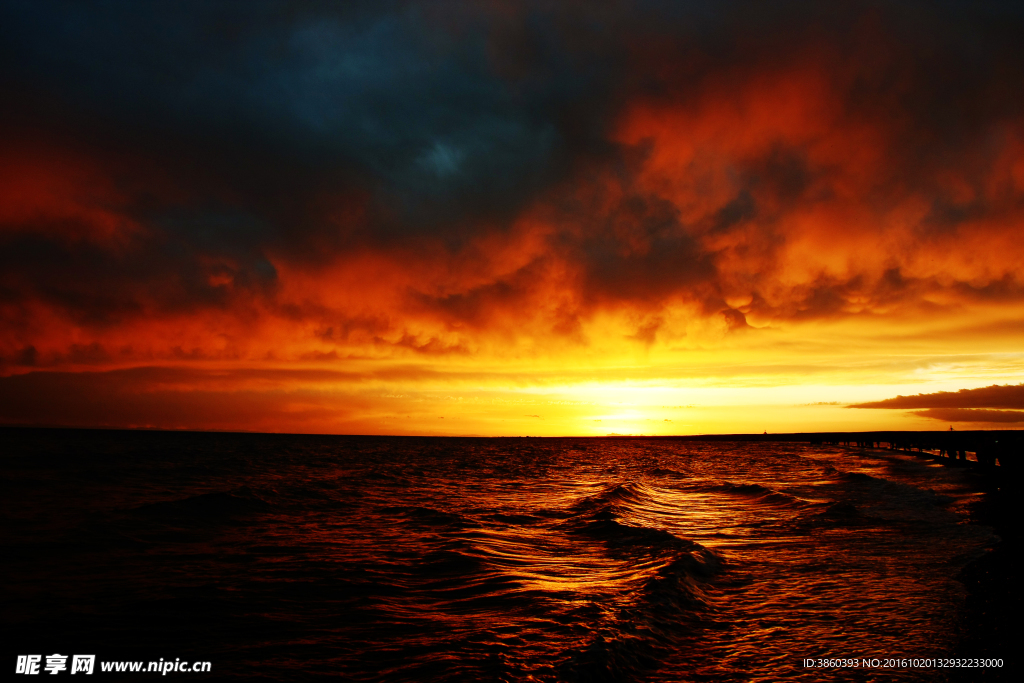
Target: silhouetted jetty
(992, 451)
(982, 450)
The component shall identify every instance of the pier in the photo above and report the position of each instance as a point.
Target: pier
(990, 451)
(987, 451)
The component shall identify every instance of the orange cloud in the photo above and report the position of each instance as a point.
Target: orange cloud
(62, 195)
(785, 201)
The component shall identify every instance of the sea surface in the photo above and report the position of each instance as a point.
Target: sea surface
(281, 557)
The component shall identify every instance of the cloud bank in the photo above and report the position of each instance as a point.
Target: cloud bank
(966, 405)
(315, 184)
(995, 396)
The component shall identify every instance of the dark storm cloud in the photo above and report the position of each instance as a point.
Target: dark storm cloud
(995, 396)
(972, 415)
(301, 129)
(319, 90)
(98, 286)
(994, 404)
(150, 397)
(237, 133)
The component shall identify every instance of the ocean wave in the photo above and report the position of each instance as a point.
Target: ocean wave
(623, 495)
(448, 562)
(756, 492)
(666, 472)
(425, 559)
(518, 519)
(861, 478)
(605, 526)
(213, 505)
(427, 516)
(836, 514)
(662, 579)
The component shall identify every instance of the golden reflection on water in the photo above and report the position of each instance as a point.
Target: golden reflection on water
(745, 564)
(553, 560)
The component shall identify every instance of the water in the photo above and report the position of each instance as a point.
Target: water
(409, 559)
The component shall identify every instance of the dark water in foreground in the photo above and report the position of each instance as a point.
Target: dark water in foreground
(396, 559)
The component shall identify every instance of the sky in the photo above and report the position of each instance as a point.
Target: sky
(512, 218)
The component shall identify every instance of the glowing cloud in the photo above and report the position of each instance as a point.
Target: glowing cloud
(331, 219)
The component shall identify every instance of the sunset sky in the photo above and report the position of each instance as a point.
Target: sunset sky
(512, 218)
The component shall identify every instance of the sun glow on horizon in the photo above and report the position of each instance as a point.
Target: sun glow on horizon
(734, 235)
